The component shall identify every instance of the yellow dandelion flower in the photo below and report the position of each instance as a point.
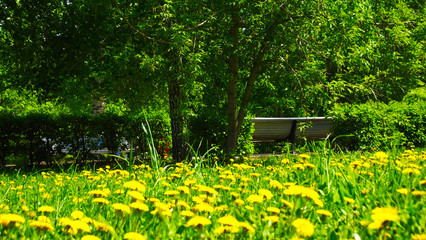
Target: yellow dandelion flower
(135, 185)
(103, 227)
(275, 184)
(255, 175)
(382, 215)
(171, 193)
(403, 191)
(206, 189)
(43, 219)
(287, 203)
(265, 193)
(203, 207)
(250, 208)
(100, 201)
(198, 221)
(239, 202)
(226, 229)
(304, 156)
(119, 191)
(77, 214)
(298, 166)
(43, 226)
(221, 208)
(187, 213)
(285, 161)
(309, 165)
(324, 212)
(228, 220)
(134, 236)
(46, 209)
(11, 218)
(303, 227)
(349, 200)
(273, 218)
(98, 193)
(46, 196)
(121, 208)
(90, 237)
(136, 196)
(139, 206)
(247, 227)
(422, 182)
(380, 155)
(183, 189)
(418, 237)
(77, 200)
(254, 198)
(411, 171)
(273, 210)
(418, 193)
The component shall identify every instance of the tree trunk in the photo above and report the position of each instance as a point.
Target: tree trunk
(236, 116)
(232, 132)
(180, 148)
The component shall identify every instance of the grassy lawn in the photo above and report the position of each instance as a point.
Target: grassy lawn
(322, 196)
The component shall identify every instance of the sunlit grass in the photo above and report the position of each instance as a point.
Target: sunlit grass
(319, 196)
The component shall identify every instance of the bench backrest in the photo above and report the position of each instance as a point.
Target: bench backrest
(280, 129)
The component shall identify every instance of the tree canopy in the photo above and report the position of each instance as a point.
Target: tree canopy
(212, 63)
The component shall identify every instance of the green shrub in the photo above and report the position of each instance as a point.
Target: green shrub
(375, 125)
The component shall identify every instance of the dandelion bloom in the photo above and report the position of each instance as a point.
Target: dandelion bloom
(304, 192)
(122, 208)
(418, 193)
(100, 201)
(228, 220)
(273, 210)
(203, 207)
(273, 218)
(403, 191)
(298, 166)
(77, 214)
(275, 184)
(43, 219)
(418, 237)
(411, 171)
(304, 156)
(183, 189)
(133, 236)
(324, 212)
(382, 215)
(349, 200)
(136, 196)
(46, 209)
(303, 227)
(247, 227)
(266, 193)
(73, 226)
(139, 206)
(6, 219)
(255, 198)
(90, 237)
(187, 213)
(135, 185)
(42, 226)
(198, 221)
(171, 193)
(98, 193)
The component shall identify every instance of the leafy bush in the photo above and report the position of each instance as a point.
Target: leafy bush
(375, 125)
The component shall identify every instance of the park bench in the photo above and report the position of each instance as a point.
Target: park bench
(269, 129)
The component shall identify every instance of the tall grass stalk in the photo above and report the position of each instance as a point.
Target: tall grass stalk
(155, 160)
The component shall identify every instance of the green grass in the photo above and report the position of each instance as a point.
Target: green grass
(247, 199)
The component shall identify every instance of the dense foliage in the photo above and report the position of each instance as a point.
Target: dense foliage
(375, 125)
(211, 64)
